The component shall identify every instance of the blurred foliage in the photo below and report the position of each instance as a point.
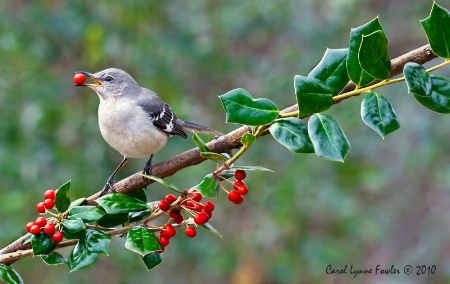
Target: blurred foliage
(388, 204)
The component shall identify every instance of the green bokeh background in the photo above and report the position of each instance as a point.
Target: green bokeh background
(388, 204)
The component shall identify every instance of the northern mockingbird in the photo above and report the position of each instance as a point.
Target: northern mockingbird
(134, 120)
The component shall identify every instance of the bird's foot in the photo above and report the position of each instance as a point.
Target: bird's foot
(147, 171)
(109, 185)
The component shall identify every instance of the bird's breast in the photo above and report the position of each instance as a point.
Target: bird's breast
(127, 128)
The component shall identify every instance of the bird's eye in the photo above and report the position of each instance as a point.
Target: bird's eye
(109, 79)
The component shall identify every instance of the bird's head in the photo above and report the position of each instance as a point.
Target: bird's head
(112, 83)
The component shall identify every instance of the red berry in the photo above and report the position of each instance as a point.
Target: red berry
(240, 174)
(189, 203)
(233, 196)
(196, 196)
(57, 237)
(174, 213)
(29, 225)
(49, 203)
(50, 194)
(163, 241)
(40, 207)
(178, 219)
(191, 232)
(242, 189)
(35, 229)
(239, 200)
(208, 213)
(163, 205)
(40, 221)
(201, 218)
(208, 206)
(198, 207)
(170, 198)
(49, 229)
(79, 78)
(169, 231)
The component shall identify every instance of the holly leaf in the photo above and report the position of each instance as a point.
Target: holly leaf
(200, 143)
(162, 182)
(436, 27)
(73, 225)
(439, 99)
(142, 241)
(152, 259)
(312, 95)
(9, 275)
(378, 114)
(139, 194)
(374, 55)
(241, 108)
(113, 220)
(355, 72)
(211, 229)
(417, 79)
(54, 258)
(137, 216)
(42, 244)
(77, 202)
(121, 203)
(81, 257)
(327, 137)
(208, 186)
(292, 133)
(213, 156)
(248, 139)
(86, 213)
(62, 199)
(97, 241)
(332, 70)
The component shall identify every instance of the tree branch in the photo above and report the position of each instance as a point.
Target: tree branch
(222, 144)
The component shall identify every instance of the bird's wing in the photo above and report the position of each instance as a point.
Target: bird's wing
(160, 113)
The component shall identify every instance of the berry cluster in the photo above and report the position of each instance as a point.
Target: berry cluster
(41, 223)
(239, 188)
(202, 212)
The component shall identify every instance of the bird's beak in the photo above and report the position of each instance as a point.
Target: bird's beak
(97, 82)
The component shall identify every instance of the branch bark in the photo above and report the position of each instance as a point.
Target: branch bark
(222, 144)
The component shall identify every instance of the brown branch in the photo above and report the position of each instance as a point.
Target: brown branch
(222, 144)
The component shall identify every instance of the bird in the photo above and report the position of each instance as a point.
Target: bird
(134, 120)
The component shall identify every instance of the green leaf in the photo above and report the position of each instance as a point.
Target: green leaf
(292, 133)
(248, 139)
(112, 220)
(54, 258)
(251, 168)
(327, 137)
(378, 114)
(62, 199)
(86, 213)
(81, 257)
(42, 244)
(208, 186)
(312, 95)
(73, 225)
(211, 229)
(213, 156)
(97, 241)
(77, 202)
(241, 108)
(162, 182)
(152, 259)
(439, 100)
(332, 70)
(355, 72)
(137, 216)
(200, 144)
(120, 203)
(436, 27)
(139, 194)
(417, 79)
(142, 241)
(9, 275)
(374, 55)
(72, 236)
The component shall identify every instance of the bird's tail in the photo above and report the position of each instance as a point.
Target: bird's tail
(194, 127)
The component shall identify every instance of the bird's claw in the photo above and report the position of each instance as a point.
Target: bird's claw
(109, 185)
